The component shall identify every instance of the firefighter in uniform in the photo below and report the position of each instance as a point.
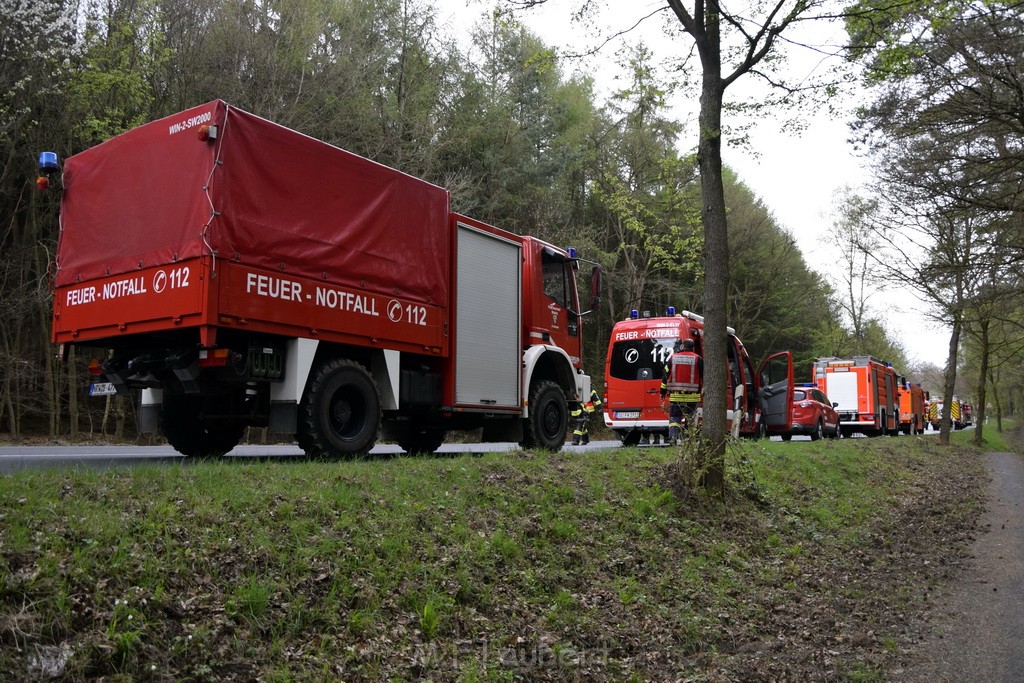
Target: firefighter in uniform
(682, 383)
(579, 413)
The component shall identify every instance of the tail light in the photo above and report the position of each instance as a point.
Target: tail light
(94, 367)
(212, 358)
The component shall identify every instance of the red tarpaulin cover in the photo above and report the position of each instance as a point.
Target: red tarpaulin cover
(283, 201)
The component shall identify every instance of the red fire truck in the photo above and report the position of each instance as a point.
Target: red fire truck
(242, 274)
(967, 414)
(866, 391)
(637, 352)
(913, 413)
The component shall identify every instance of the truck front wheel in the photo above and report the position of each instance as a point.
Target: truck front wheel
(549, 418)
(339, 416)
(182, 425)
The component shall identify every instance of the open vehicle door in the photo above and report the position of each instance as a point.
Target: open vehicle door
(775, 397)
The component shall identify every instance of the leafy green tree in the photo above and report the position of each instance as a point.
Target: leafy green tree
(945, 128)
(647, 197)
(40, 55)
(112, 90)
(514, 115)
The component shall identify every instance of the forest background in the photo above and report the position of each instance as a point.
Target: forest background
(495, 119)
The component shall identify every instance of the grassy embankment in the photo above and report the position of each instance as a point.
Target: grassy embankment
(526, 565)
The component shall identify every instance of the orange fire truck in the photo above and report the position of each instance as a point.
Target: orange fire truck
(640, 346)
(913, 414)
(866, 390)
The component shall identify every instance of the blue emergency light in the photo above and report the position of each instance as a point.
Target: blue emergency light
(634, 314)
(572, 252)
(671, 311)
(48, 162)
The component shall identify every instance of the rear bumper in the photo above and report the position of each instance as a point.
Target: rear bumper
(800, 428)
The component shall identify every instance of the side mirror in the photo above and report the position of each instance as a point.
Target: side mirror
(595, 291)
(835, 405)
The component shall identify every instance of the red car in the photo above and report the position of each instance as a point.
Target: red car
(813, 414)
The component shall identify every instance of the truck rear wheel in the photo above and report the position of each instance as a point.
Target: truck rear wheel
(185, 431)
(339, 415)
(549, 418)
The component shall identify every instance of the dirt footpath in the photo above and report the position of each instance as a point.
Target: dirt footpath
(978, 621)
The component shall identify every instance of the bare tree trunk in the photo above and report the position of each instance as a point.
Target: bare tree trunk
(950, 382)
(8, 405)
(106, 415)
(17, 403)
(979, 428)
(120, 412)
(993, 378)
(7, 373)
(716, 260)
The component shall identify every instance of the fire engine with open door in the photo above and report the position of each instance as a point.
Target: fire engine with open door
(638, 350)
(242, 274)
(865, 390)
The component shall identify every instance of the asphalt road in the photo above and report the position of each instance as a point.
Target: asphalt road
(18, 458)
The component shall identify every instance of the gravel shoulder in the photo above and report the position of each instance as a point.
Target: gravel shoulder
(975, 626)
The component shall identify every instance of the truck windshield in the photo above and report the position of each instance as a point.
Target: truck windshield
(639, 359)
(556, 284)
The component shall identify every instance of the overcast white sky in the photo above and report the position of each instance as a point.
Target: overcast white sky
(795, 174)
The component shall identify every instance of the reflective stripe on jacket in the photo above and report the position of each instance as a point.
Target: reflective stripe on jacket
(683, 373)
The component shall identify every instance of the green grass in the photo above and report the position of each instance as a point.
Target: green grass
(497, 567)
(993, 440)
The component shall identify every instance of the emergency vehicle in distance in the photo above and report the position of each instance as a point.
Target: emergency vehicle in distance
(640, 346)
(913, 411)
(966, 414)
(935, 413)
(865, 392)
(242, 274)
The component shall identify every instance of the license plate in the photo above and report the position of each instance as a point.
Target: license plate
(102, 389)
(627, 415)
